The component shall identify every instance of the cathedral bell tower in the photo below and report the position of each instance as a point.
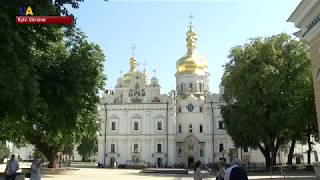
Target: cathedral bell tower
(192, 69)
(192, 85)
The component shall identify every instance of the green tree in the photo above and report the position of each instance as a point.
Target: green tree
(265, 82)
(88, 139)
(19, 86)
(70, 77)
(50, 78)
(38, 154)
(4, 151)
(88, 147)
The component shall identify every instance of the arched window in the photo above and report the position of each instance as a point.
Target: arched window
(181, 88)
(200, 87)
(130, 92)
(136, 90)
(200, 109)
(191, 87)
(179, 109)
(180, 128)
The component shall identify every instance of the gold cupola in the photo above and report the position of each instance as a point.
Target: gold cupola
(133, 68)
(192, 63)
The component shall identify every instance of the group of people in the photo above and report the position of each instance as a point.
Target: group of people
(234, 172)
(13, 166)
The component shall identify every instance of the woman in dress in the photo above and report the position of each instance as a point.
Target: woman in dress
(35, 170)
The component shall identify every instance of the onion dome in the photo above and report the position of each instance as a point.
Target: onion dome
(192, 63)
(133, 68)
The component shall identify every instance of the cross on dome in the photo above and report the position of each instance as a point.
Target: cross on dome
(133, 47)
(190, 17)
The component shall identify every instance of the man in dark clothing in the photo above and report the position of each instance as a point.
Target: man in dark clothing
(235, 172)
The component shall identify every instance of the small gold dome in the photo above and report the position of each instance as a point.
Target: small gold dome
(192, 63)
(127, 76)
(133, 68)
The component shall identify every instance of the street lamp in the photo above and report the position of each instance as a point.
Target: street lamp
(223, 152)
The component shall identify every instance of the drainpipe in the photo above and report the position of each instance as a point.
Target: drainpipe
(105, 135)
(212, 118)
(167, 147)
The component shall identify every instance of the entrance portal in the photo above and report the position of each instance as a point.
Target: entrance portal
(159, 162)
(190, 162)
(112, 160)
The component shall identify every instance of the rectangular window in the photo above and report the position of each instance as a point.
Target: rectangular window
(180, 128)
(113, 148)
(245, 149)
(201, 128)
(200, 87)
(190, 128)
(201, 152)
(113, 126)
(221, 125)
(135, 148)
(159, 148)
(136, 126)
(159, 125)
(221, 148)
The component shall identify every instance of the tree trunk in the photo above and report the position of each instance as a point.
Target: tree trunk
(268, 161)
(266, 153)
(274, 158)
(275, 151)
(291, 150)
(84, 158)
(52, 159)
(309, 145)
(50, 153)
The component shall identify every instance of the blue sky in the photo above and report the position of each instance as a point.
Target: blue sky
(157, 28)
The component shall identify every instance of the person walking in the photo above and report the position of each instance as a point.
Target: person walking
(221, 172)
(197, 171)
(35, 170)
(11, 168)
(235, 172)
(114, 165)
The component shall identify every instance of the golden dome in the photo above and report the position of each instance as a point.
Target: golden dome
(192, 63)
(127, 76)
(133, 68)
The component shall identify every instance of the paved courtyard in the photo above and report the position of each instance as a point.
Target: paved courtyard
(124, 174)
(128, 174)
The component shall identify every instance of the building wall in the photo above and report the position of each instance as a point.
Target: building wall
(147, 136)
(306, 17)
(315, 67)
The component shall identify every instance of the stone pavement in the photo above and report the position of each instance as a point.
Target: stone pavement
(128, 174)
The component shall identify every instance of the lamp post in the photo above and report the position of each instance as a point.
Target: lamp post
(223, 152)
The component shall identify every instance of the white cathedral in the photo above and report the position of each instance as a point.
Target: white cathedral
(140, 125)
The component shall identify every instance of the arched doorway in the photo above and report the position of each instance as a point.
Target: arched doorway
(190, 150)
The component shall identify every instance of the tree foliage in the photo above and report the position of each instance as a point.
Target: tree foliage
(70, 76)
(4, 151)
(50, 79)
(19, 84)
(267, 91)
(88, 147)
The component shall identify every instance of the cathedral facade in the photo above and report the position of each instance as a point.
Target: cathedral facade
(141, 126)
